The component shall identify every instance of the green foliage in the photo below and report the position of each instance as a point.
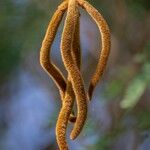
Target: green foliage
(143, 120)
(9, 46)
(138, 7)
(133, 93)
(19, 30)
(113, 89)
(136, 88)
(106, 140)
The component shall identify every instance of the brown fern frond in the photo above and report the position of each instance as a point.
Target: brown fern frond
(73, 71)
(73, 88)
(63, 117)
(105, 36)
(45, 59)
(76, 48)
(76, 54)
(68, 101)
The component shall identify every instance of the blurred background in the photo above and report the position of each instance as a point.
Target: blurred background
(119, 113)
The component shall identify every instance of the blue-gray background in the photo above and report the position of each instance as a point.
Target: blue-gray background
(118, 115)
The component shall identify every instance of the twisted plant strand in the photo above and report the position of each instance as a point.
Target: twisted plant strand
(73, 87)
(61, 125)
(45, 60)
(105, 36)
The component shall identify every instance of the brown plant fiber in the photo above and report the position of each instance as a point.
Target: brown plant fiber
(68, 101)
(45, 60)
(73, 71)
(72, 88)
(105, 35)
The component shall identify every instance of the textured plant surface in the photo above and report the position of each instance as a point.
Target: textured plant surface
(73, 87)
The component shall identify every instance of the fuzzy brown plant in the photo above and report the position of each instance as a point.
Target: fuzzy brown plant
(73, 87)
(105, 36)
(73, 71)
(45, 60)
(65, 111)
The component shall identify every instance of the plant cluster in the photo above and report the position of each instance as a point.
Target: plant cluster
(73, 87)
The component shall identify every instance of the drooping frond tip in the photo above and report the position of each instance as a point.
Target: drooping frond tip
(73, 87)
